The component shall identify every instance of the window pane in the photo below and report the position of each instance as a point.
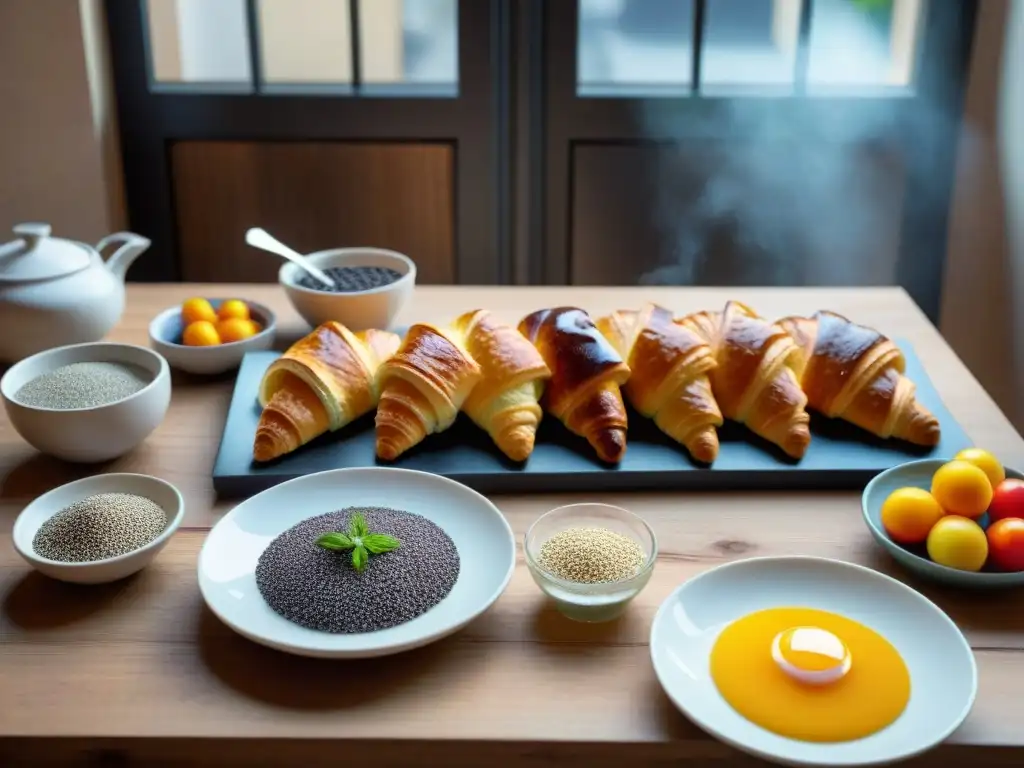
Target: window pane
(409, 41)
(305, 41)
(634, 46)
(199, 41)
(864, 42)
(750, 42)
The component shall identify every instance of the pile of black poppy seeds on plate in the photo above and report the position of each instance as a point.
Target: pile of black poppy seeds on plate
(83, 385)
(320, 589)
(98, 527)
(350, 279)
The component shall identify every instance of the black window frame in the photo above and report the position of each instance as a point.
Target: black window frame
(571, 120)
(474, 122)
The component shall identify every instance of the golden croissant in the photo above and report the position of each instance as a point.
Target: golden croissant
(322, 382)
(586, 373)
(755, 381)
(505, 402)
(422, 388)
(669, 365)
(852, 372)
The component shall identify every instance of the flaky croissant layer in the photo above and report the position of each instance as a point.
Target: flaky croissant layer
(669, 365)
(586, 373)
(753, 380)
(321, 383)
(853, 372)
(506, 401)
(422, 388)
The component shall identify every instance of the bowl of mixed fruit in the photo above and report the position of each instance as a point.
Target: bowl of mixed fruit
(210, 336)
(958, 521)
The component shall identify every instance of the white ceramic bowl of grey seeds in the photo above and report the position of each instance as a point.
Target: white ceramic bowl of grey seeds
(87, 403)
(125, 531)
(373, 286)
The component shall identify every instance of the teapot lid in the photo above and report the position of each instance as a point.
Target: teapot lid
(37, 256)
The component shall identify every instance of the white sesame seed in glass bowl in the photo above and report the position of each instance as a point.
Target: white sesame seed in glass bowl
(590, 559)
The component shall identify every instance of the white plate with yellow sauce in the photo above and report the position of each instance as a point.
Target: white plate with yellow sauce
(906, 657)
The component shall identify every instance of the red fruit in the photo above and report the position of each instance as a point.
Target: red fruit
(1006, 544)
(1007, 500)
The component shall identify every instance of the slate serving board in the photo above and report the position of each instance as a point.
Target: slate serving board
(841, 456)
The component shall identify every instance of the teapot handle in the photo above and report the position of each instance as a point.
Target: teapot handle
(122, 258)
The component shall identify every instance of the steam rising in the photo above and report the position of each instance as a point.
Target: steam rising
(787, 201)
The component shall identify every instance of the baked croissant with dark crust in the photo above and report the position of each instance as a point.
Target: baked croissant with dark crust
(586, 373)
(669, 365)
(505, 403)
(322, 382)
(422, 388)
(754, 381)
(853, 372)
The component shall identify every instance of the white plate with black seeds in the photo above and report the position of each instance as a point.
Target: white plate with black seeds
(459, 531)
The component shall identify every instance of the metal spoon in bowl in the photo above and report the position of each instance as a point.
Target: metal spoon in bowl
(260, 238)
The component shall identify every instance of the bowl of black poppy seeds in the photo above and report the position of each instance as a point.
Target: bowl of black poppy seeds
(87, 402)
(356, 563)
(590, 559)
(370, 287)
(98, 529)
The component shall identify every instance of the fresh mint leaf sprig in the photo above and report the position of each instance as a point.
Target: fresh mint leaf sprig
(360, 541)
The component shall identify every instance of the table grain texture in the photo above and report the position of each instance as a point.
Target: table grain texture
(141, 673)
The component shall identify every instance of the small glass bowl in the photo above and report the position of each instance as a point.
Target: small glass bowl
(602, 601)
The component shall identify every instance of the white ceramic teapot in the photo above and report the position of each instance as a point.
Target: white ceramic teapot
(55, 292)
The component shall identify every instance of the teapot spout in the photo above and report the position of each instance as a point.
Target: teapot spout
(132, 247)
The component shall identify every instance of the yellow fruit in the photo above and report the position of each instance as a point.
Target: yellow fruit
(196, 309)
(236, 329)
(908, 515)
(957, 542)
(984, 461)
(962, 489)
(233, 308)
(201, 333)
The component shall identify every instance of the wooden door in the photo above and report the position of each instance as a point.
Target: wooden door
(309, 118)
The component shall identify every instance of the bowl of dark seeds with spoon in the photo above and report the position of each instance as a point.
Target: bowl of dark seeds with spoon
(87, 402)
(98, 529)
(370, 286)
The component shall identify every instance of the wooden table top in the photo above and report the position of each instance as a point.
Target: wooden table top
(142, 671)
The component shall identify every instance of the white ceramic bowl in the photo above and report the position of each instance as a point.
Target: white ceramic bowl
(375, 308)
(89, 435)
(943, 673)
(165, 337)
(227, 562)
(113, 568)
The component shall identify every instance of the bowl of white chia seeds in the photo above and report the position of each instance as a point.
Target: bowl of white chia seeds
(87, 402)
(98, 529)
(370, 287)
(590, 559)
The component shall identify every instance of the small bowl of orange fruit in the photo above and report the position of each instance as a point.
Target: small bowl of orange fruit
(211, 336)
(958, 521)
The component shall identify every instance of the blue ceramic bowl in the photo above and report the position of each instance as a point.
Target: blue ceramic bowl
(919, 474)
(165, 337)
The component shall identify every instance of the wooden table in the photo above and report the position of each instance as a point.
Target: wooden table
(140, 672)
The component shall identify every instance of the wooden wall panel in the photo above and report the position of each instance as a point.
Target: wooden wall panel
(313, 196)
(717, 214)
